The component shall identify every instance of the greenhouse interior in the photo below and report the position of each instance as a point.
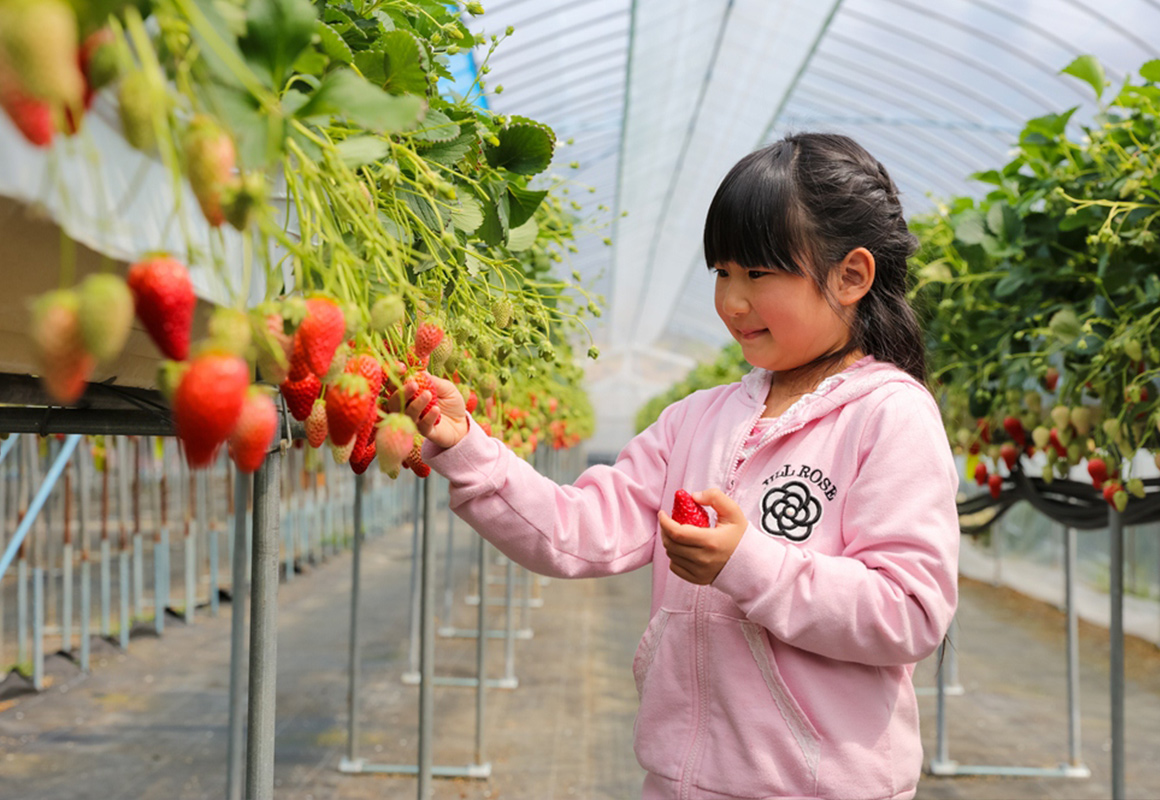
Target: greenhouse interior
(598, 399)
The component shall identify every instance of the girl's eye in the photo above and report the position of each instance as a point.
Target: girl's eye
(720, 273)
(754, 274)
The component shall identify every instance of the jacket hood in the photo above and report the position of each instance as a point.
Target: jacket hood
(860, 378)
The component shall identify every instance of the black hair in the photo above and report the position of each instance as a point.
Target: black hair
(801, 205)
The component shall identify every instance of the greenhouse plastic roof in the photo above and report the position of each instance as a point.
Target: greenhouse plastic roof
(659, 98)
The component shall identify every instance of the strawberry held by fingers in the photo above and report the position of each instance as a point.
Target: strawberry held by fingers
(686, 511)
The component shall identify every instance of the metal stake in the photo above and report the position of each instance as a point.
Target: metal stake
(263, 631)
(236, 760)
(355, 645)
(1116, 592)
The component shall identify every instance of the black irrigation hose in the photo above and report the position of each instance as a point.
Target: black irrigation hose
(1071, 503)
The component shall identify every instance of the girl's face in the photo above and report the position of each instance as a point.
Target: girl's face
(781, 320)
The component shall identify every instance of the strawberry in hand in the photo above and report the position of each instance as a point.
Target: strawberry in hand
(437, 408)
(697, 554)
(687, 512)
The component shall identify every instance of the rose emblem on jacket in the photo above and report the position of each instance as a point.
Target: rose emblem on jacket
(790, 510)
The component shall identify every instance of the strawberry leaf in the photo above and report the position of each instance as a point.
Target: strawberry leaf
(277, 31)
(342, 93)
(403, 63)
(524, 148)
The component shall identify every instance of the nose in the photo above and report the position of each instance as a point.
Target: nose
(732, 299)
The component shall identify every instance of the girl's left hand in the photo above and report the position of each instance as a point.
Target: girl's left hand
(698, 554)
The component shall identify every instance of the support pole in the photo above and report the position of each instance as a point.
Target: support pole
(1116, 592)
(481, 658)
(355, 645)
(263, 631)
(427, 639)
(1073, 715)
(236, 757)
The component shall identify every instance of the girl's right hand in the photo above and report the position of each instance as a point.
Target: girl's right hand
(446, 423)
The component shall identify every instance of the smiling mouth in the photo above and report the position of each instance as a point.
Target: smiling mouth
(750, 335)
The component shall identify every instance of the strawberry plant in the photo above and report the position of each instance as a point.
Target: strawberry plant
(1043, 298)
(378, 206)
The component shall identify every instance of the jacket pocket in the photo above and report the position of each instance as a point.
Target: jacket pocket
(758, 742)
(664, 677)
(646, 651)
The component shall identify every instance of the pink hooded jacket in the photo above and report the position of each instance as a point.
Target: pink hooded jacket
(789, 676)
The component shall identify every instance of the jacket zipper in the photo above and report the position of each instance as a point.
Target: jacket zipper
(734, 469)
(702, 694)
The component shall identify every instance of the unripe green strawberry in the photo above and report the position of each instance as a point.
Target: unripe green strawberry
(61, 358)
(164, 299)
(137, 102)
(272, 344)
(207, 404)
(241, 196)
(488, 385)
(1081, 420)
(441, 354)
(210, 159)
(1061, 416)
(229, 329)
(106, 315)
(40, 42)
(502, 312)
(393, 442)
(254, 432)
(387, 312)
(1134, 350)
(169, 375)
(98, 61)
(1135, 487)
(342, 453)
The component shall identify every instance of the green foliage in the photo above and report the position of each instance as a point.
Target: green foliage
(393, 185)
(729, 366)
(1055, 269)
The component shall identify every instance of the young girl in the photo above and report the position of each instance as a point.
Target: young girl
(777, 661)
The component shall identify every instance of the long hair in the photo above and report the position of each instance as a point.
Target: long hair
(801, 205)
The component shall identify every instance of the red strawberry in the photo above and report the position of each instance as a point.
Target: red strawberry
(207, 404)
(1115, 495)
(427, 337)
(316, 428)
(1060, 450)
(348, 401)
(1009, 455)
(61, 357)
(32, 117)
(414, 460)
(364, 446)
(686, 511)
(472, 402)
(984, 430)
(319, 335)
(210, 159)
(980, 474)
(300, 395)
(368, 366)
(1051, 378)
(995, 484)
(163, 295)
(1098, 469)
(1015, 430)
(394, 441)
(255, 430)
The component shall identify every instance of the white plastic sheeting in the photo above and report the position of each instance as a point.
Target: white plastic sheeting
(661, 97)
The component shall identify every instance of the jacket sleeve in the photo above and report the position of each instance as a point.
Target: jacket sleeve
(603, 524)
(888, 598)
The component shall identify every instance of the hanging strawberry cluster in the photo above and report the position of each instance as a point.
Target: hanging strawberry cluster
(405, 215)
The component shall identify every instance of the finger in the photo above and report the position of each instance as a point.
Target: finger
(684, 573)
(682, 534)
(727, 509)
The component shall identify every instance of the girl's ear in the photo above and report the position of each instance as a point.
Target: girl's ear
(854, 276)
